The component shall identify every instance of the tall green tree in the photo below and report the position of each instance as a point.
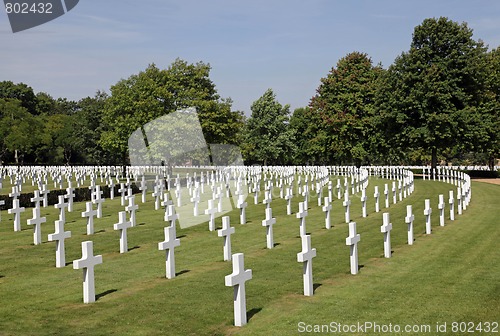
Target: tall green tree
(432, 90)
(345, 105)
(153, 93)
(268, 138)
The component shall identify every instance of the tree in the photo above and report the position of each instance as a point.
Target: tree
(268, 138)
(432, 89)
(154, 93)
(344, 105)
(22, 92)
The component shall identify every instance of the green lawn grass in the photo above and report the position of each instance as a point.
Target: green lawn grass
(449, 276)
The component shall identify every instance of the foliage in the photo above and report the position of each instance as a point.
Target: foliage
(430, 95)
(268, 139)
(345, 106)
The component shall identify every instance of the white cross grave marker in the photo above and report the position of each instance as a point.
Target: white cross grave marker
(123, 225)
(211, 211)
(87, 263)
(37, 221)
(386, 193)
(16, 210)
(61, 206)
(427, 213)
(353, 241)
(242, 205)
(237, 280)
(170, 243)
(441, 209)
(226, 232)
(70, 194)
(452, 206)
(346, 204)
(386, 230)
(327, 209)
(409, 220)
(131, 208)
(306, 256)
(376, 195)
(59, 236)
(363, 201)
(89, 213)
(268, 223)
(302, 214)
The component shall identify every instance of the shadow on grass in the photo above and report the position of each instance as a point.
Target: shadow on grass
(252, 312)
(181, 236)
(100, 231)
(109, 291)
(316, 286)
(276, 244)
(134, 248)
(182, 272)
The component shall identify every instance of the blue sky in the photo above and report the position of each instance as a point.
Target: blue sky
(286, 45)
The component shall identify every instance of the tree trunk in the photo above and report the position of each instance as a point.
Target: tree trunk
(434, 157)
(16, 157)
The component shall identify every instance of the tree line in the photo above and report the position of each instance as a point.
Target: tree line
(438, 102)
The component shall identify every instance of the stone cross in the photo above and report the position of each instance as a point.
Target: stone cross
(394, 195)
(267, 199)
(237, 280)
(70, 194)
(170, 243)
(409, 220)
(89, 213)
(386, 193)
(226, 232)
(339, 190)
(44, 191)
(242, 206)
(330, 191)
(302, 214)
(327, 209)
(452, 206)
(156, 194)
(36, 198)
(195, 200)
(353, 241)
(306, 256)
(256, 194)
(363, 201)
(376, 195)
(427, 213)
(288, 198)
(123, 225)
(131, 209)
(441, 209)
(400, 190)
(2, 202)
(16, 210)
(122, 191)
(61, 206)
(268, 223)
(211, 211)
(37, 221)
(459, 200)
(87, 263)
(59, 236)
(111, 186)
(386, 230)
(15, 192)
(143, 188)
(219, 195)
(346, 204)
(171, 216)
(98, 200)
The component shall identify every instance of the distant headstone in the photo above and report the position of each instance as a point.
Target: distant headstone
(242, 206)
(16, 210)
(37, 221)
(211, 211)
(452, 206)
(327, 209)
(347, 204)
(302, 214)
(441, 209)
(89, 213)
(131, 208)
(376, 195)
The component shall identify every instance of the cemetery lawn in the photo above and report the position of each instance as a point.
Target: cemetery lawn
(449, 276)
